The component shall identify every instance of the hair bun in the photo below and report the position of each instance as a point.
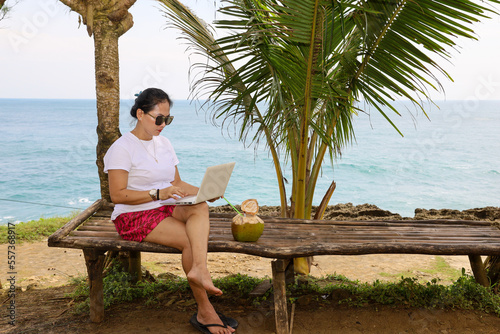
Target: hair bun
(148, 99)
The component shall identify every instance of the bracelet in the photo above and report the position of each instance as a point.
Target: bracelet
(157, 194)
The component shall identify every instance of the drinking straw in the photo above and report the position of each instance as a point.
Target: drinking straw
(233, 206)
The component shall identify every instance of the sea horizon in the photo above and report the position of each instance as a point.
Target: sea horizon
(449, 162)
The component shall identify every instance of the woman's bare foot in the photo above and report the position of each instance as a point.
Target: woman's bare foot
(202, 278)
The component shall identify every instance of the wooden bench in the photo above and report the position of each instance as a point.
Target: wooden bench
(285, 239)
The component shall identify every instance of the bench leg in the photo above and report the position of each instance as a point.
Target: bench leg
(280, 304)
(134, 265)
(94, 260)
(478, 269)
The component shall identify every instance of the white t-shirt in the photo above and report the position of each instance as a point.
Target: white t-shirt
(137, 157)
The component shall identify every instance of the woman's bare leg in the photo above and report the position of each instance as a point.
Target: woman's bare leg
(172, 232)
(197, 222)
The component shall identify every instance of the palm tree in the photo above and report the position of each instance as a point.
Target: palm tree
(4, 9)
(309, 63)
(106, 21)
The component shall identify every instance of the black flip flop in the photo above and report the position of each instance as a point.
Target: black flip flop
(228, 321)
(204, 327)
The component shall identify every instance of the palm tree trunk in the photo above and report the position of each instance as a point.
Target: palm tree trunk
(107, 95)
(106, 21)
(3, 9)
(492, 265)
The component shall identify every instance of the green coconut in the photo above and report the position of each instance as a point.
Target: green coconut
(247, 228)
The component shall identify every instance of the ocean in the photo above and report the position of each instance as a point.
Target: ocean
(450, 161)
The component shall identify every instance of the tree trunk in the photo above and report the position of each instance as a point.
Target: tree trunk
(106, 20)
(3, 10)
(492, 265)
(107, 94)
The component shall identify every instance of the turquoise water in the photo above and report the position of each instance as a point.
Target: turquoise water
(453, 161)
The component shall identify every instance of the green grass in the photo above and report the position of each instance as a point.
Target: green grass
(34, 230)
(153, 266)
(439, 267)
(463, 293)
(119, 288)
(442, 268)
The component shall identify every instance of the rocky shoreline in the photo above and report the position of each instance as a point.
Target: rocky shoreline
(348, 211)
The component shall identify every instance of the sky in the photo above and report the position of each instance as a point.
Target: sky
(45, 54)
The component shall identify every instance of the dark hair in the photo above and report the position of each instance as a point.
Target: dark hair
(148, 99)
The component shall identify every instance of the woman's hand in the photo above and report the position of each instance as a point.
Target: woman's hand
(171, 192)
(214, 199)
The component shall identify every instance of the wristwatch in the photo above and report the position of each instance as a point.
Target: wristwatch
(154, 194)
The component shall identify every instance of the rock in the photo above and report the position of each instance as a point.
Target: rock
(348, 211)
(304, 300)
(339, 294)
(167, 276)
(487, 213)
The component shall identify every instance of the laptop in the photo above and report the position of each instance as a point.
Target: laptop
(213, 185)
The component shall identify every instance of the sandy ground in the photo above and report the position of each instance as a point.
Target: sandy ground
(42, 304)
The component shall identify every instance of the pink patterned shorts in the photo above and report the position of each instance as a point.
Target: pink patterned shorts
(135, 226)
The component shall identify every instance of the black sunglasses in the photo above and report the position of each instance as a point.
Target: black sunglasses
(160, 119)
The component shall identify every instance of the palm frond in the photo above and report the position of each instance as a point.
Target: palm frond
(309, 62)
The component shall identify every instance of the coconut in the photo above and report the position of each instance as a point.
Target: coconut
(247, 228)
(250, 206)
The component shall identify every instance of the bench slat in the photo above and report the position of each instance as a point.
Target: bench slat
(95, 234)
(97, 228)
(288, 238)
(349, 234)
(269, 241)
(285, 251)
(378, 222)
(337, 232)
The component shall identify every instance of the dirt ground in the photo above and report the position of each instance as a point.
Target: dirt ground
(42, 306)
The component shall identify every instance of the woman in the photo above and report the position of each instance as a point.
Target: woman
(142, 170)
